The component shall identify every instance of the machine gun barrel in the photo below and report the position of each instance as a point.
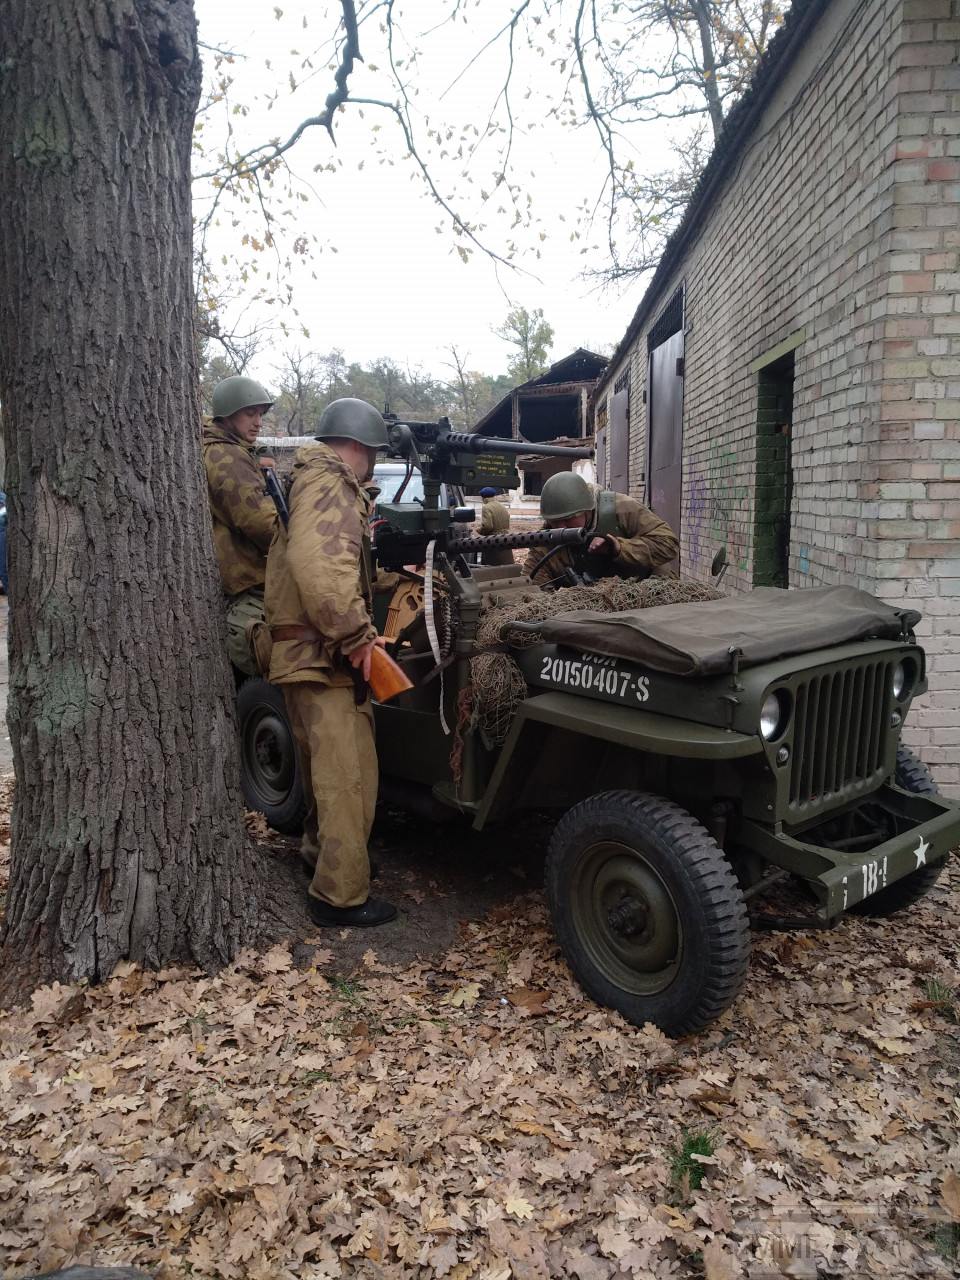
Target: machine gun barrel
(536, 538)
(470, 442)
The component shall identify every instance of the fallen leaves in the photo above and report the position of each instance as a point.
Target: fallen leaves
(276, 960)
(472, 1116)
(950, 1194)
(529, 1001)
(464, 997)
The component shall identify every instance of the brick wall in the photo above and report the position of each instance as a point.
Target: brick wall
(913, 497)
(840, 223)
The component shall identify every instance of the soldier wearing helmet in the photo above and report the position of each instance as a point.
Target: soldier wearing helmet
(318, 606)
(244, 516)
(629, 540)
(494, 518)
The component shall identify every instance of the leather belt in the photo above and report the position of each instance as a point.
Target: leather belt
(300, 631)
(295, 631)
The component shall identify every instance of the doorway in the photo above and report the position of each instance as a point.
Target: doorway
(665, 414)
(774, 477)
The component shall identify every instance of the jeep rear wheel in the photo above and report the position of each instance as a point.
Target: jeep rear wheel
(269, 765)
(912, 775)
(647, 910)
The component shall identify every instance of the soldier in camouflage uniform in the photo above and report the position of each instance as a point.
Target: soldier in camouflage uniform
(318, 603)
(244, 516)
(494, 518)
(630, 540)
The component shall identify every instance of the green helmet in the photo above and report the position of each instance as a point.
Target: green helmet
(566, 494)
(350, 419)
(233, 394)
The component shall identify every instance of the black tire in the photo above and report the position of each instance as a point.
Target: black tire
(269, 764)
(647, 910)
(913, 775)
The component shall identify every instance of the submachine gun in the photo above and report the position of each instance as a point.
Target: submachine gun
(457, 459)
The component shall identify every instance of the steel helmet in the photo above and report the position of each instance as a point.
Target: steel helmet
(566, 494)
(350, 419)
(233, 394)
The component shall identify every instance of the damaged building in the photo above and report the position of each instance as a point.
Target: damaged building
(554, 408)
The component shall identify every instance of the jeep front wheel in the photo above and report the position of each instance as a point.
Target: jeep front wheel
(647, 910)
(269, 765)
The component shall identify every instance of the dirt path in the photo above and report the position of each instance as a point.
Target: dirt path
(438, 876)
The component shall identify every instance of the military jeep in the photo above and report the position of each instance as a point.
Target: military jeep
(698, 754)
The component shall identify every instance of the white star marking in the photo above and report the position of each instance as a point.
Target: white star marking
(920, 852)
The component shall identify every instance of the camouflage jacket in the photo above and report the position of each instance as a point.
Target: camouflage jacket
(495, 518)
(317, 571)
(646, 546)
(244, 516)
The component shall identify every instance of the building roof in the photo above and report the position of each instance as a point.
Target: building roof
(730, 145)
(580, 366)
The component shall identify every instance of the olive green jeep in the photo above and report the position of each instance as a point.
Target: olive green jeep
(698, 755)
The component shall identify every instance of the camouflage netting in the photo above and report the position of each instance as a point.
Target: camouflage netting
(499, 686)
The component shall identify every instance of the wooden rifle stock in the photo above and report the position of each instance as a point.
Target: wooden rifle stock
(387, 678)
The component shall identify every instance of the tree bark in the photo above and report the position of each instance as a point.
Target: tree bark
(127, 832)
(711, 90)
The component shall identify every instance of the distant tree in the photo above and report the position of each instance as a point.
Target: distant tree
(300, 396)
(464, 385)
(473, 394)
(532, 338)
(212, 371)
(332, 370)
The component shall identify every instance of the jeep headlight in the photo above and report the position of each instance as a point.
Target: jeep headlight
(899, 679)
(773, 715)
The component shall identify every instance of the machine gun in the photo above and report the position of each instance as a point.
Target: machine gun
(457, 459)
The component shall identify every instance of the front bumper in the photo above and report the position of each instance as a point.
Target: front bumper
(928, 828)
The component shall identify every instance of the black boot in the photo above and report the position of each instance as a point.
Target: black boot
(372, 912)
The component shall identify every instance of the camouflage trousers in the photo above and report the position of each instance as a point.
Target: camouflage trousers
(243, 611)
(338, 762)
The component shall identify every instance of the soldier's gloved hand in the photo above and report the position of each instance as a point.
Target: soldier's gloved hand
(361, 658)
(603, 546)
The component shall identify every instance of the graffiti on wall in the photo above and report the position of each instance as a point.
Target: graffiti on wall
(715, 508)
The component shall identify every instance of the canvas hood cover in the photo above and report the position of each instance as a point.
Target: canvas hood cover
(697, 638)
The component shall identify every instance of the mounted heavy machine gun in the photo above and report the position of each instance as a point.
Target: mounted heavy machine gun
(455, 459)
(428, 533)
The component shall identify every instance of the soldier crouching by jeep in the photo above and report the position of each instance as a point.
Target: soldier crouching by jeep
(244, 516)
(318, 607)
(630, 540)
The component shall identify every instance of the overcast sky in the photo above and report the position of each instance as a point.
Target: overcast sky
(386, 282)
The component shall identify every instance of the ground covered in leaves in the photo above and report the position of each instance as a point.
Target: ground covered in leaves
(471, 1114)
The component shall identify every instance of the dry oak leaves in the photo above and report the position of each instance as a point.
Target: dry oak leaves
(475, 1115)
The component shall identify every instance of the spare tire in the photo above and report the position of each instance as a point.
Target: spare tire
(269, 762)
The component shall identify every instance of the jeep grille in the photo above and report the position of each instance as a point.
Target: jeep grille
(839, 737)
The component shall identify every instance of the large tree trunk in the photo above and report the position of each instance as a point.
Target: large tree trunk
(127, 835)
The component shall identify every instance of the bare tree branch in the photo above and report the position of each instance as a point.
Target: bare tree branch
(262, 157)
